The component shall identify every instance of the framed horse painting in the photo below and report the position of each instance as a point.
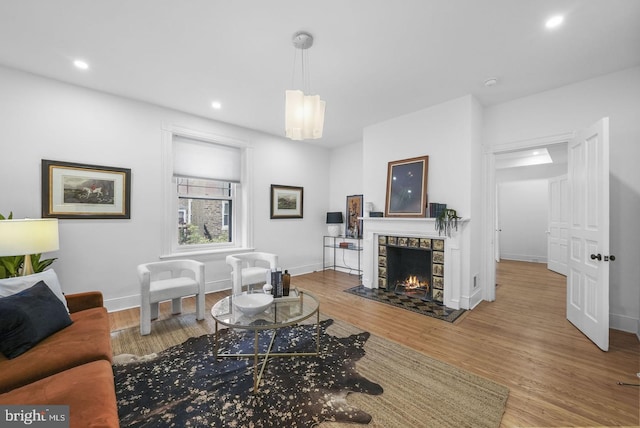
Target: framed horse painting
(73, 190)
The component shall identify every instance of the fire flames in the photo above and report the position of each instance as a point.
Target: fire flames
(412, 282)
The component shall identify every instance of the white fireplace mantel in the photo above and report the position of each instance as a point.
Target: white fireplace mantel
(418, 228)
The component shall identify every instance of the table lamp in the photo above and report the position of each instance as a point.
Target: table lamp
(334, 220)
(28, 236)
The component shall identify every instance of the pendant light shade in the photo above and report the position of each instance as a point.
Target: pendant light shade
(304, 114)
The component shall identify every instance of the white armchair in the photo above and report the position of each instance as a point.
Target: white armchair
(169, 280)
(247, 269)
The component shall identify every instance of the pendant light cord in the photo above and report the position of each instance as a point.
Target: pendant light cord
(305, 84)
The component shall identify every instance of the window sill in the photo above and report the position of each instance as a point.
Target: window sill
(208, 252)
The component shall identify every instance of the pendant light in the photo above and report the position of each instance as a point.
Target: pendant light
(304, 114)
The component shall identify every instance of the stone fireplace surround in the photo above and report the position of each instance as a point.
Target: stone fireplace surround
(417, 260)
(412, 228)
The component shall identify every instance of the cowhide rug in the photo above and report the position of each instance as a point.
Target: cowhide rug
(186, 386)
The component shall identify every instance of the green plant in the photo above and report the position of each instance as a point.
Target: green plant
(446, 221)
(10, 266)
(40, 265)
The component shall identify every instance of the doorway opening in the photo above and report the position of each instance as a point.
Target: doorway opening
(510, 164)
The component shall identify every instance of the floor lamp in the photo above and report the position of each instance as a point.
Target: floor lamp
(28, 236)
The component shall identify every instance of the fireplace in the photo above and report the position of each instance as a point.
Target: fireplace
(447, 279)
(411, 266)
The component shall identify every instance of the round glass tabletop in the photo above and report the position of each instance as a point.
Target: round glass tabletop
(282, 312)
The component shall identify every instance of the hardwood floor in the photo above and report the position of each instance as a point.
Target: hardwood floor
(556, 376)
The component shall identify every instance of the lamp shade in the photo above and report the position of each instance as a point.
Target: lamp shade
(334, 218)
(304, 115)
(28, 236)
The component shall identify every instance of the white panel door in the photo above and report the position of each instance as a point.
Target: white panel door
(558, 229)
(588, 262)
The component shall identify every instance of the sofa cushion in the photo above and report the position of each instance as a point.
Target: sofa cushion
(29, 317)
(88, 390)
(9, 286)
(87, 339)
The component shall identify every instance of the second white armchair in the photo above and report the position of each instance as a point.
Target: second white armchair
(250, 268)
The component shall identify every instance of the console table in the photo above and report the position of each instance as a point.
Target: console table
(332, 244)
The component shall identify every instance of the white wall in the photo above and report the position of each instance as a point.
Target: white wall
(518, 187)
(46, 119)
(345, 178)
(574, 107)
(345, 175)
(523, 217)
(449, 133)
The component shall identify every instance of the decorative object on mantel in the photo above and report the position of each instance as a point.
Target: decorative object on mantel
(368, 207)
(73, 190)
(354, 213)
(304, 114)
(435, 209)
(407, 187)
(446, 221)
(334, 220)
(376, 214)
(286, 201)
(23, 241)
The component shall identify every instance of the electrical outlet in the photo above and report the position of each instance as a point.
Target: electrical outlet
(475, 281)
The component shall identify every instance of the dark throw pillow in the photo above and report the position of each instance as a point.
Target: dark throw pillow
(28, 317)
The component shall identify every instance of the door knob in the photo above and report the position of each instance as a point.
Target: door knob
(596, 257)
(611, 257)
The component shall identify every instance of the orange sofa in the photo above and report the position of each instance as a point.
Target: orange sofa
(71, 367)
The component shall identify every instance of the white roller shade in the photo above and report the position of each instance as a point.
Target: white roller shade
(199, 159)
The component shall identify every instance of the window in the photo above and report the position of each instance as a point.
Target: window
(225, 215)
(204, 208)
(206, 197)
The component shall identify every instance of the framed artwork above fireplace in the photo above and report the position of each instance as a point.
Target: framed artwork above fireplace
(407, 187)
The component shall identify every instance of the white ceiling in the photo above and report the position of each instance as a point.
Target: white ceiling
(372, 60)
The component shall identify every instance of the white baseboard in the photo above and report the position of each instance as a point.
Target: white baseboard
(470, 302)
(625, 323)
(133, 301)
(523, 258)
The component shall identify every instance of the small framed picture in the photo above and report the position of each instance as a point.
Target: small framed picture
(354, 213)
(286, 201)
(81, 191)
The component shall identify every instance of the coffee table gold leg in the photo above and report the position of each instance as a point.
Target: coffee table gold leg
(266, 357)
(255, 363)
(318, 332)
(215, 345)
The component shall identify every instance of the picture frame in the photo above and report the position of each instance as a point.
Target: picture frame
(354, 211)
(286, 201)
(407, 187)
(82, 191)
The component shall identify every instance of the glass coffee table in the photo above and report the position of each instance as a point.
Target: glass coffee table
(282, 312)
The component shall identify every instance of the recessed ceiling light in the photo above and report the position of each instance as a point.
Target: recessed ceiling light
(554, 21)
(216, 105)
(80, 64)
(492, 81)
